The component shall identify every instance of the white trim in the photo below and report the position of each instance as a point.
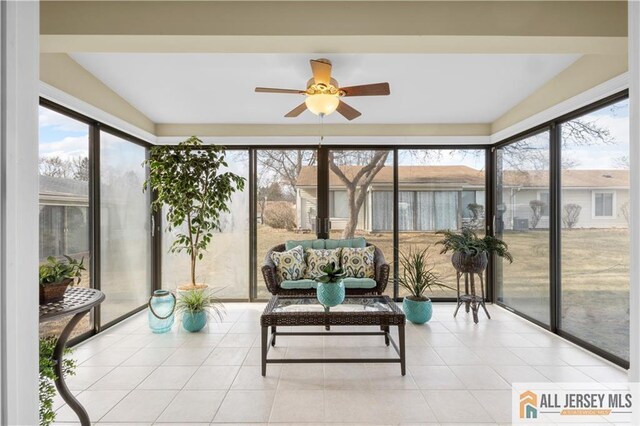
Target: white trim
(19, 44)
(634, 193)
(603, 90)
(593, 204)
(331, 140)
(66, 100)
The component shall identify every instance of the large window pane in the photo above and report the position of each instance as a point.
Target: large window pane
(225, 266)
(64, 198)
(286, 182)
(125, 243)
(595, 236)
(522, 222)
(366, 176)
(442, 189)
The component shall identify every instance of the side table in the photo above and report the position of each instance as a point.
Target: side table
(77, 302)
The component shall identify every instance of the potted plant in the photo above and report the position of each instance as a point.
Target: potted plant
(56, 275)
(187, 179)
(195, 307)
(470, 252)
(330, 290)
(46, 388)
(417, 277)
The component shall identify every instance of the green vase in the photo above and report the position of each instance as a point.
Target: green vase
(195, 321)
(330, 294)
(417, 311)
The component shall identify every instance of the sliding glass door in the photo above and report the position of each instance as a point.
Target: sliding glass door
(522, 221)
(125, 227)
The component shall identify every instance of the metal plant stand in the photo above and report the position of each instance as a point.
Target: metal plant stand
(469, 298)
(77, 302)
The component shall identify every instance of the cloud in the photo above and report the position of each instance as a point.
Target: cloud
(56, 121)
(66, 148)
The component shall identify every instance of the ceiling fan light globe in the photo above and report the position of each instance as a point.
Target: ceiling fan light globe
(322, 104)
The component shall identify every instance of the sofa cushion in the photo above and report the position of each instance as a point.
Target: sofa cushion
(358, 262)
(359, 282)
(318, 259)
(290, 264)
(315, 244)
(349, 242)
(298, 284)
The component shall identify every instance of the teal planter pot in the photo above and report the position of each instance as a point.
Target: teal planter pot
(330, 294)
(417, 311)
(194, 322)
(161, 308)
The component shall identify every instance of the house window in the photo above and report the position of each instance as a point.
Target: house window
(382, 210)
(603, 204)
(544, 197)
(339, 207)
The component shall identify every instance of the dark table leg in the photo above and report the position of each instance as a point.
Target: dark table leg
(273, 331)
(385, 328)
(58, 355)
(265, 348)
(403, 360)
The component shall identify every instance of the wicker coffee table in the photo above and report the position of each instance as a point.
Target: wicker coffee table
(295, 311)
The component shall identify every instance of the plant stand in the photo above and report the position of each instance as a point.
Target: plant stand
(77, 302)
(469, 298)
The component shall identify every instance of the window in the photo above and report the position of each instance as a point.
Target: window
(339, 206)
(603, 204)
(544, 197)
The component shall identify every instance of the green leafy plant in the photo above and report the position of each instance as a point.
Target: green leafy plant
(187, 179)
(46, 387)
(331, 274)
(418, 274)
(55, 271)
(469, 243)
(195, 301)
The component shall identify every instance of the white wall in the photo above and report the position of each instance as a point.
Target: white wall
(19, 25)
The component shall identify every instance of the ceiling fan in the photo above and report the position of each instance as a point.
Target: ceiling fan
(323, 93)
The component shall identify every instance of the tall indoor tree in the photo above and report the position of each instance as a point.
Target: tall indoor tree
(188, 180)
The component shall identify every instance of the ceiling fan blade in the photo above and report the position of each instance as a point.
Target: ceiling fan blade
(321, 71)
(297, 110)
(378, 89)
(272, 90)
(347, 111)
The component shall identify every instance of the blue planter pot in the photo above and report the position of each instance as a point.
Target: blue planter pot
(194, 322)
(330, 294)
(417, 311)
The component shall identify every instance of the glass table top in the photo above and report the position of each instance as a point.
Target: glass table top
(350, 304)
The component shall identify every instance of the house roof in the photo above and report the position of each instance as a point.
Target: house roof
(407, 174)
(465, 175)
(614, 178)
(55, 186)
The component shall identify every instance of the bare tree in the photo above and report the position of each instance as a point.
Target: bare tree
(622, 162)
(55, 167)
(571, 215)
(271, 192)
(80, 168)
(357, 180)
(285, 165)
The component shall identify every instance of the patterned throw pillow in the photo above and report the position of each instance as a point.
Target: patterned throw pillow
(318, 258)
(358, 262)
(289, 264)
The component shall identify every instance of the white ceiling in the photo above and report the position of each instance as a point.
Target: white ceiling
(219, 88)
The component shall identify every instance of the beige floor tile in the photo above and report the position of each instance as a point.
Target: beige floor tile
(309, 406)
(140, 406)
(245, 406)
(213, 377)
(193, 406)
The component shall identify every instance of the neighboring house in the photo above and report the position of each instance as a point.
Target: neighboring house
(64, 216)
(437, 197)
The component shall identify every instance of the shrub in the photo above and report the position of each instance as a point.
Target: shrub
(537, 206)
(571, 215)
(280, 215)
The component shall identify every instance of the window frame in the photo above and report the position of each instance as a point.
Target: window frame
(594, 193)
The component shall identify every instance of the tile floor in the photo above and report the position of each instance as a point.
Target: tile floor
(457, 372)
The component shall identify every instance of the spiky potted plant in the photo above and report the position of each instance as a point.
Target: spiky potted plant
(470, 252)
(56, 275)
(416, 277)
(196, 307)
(330, 290)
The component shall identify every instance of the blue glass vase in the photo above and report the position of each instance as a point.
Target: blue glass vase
(194, 321)
(417, 311)
(330, 294)
(162, 306)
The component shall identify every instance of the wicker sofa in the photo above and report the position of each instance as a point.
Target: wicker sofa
(306, 287)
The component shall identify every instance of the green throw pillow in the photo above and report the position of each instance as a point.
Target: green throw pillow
(358, 262)
(289, 264)
(317, 259)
